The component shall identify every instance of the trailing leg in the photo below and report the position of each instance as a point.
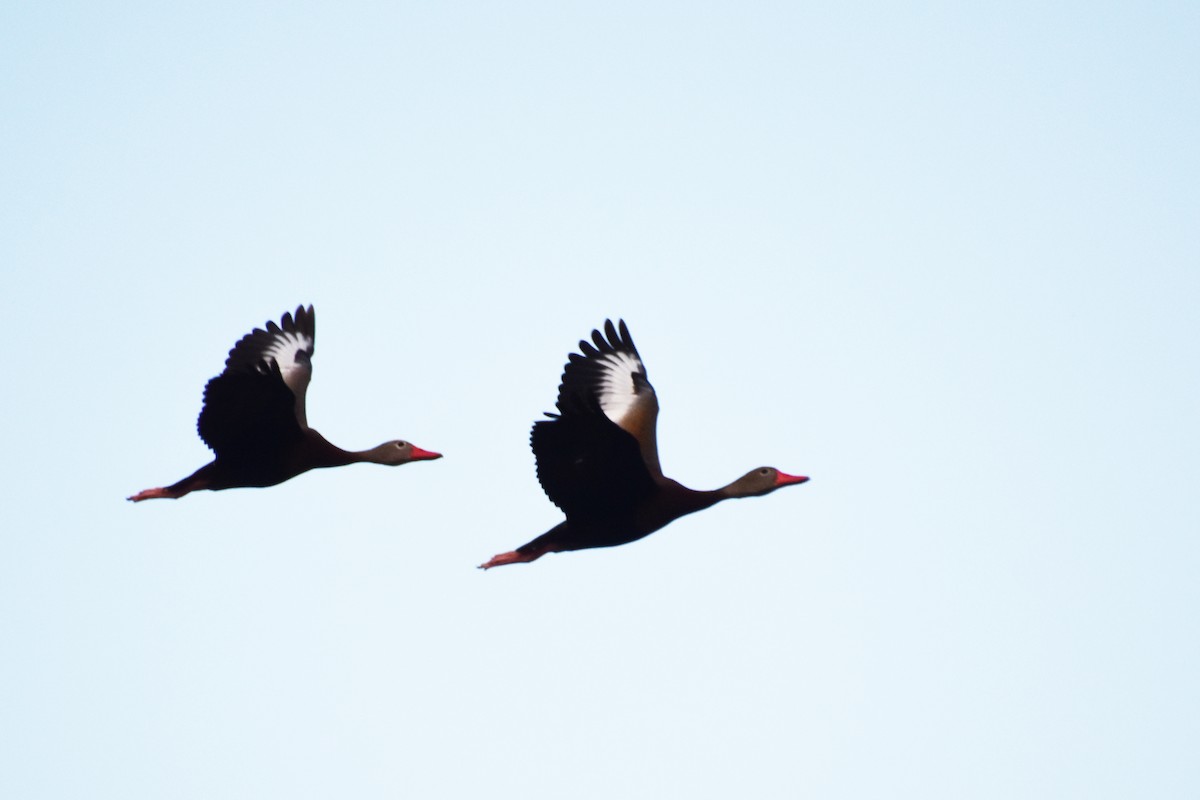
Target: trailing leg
(194, 482)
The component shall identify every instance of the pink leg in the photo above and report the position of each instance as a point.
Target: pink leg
(151, 494)
(513, 557)
(200, 479)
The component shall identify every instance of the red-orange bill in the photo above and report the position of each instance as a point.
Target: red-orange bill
(783, 479)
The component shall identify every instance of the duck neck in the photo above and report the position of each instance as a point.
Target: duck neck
(326, 454)
(683, 500)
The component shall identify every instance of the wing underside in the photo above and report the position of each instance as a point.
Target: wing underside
(609, 373)
(587, 465)
(290, 345)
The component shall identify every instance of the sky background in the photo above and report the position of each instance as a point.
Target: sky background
(943, 258)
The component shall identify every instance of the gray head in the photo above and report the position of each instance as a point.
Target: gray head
(398, 451)
(763, 480)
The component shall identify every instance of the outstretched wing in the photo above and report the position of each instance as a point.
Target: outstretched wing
(611, 374)
(587, 465)
(248, 415)
(256, 405)
(289, 344)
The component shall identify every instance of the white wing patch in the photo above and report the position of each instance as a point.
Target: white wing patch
(288, 345)
(292, 351)
(615, 388)
(608, 372)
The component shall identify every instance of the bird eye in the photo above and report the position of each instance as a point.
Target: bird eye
(763, 471)
(401, 444)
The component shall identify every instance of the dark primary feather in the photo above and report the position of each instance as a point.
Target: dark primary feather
(250, 412)
(249, 351)
(583, 373)
(247, 413)
(587, 465)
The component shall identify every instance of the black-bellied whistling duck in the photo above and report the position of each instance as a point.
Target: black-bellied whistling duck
(253, 416)
(597, 459)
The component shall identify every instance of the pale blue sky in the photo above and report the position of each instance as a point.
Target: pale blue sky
(942, 258)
